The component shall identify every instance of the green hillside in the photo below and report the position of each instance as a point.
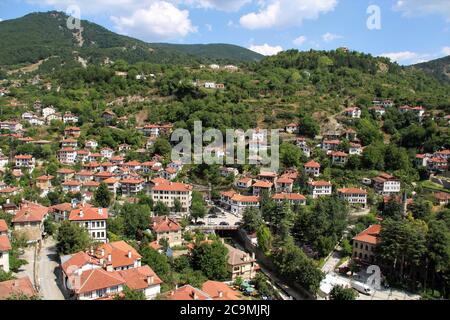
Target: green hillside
(38, 36)
(439, 68)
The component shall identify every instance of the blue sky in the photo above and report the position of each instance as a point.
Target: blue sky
(410, 31)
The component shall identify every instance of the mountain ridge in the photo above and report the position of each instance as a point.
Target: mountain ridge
(37, 36)
(438, 68)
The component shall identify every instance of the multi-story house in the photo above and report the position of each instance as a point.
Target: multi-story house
(72, 132)
(355, 149)
(320, 188)
(386, 184)
(292, 198)
(241, 264)
(69, 142)
(353, 112)
(284, 184)
(262, 186)
(303, 145)
(71, 186)
(67, 155)
(69, 118)
(168, 229)
(29, 221)
(312, 168)
(44, 183)
(93, 219)
(5, 246)
(25, 161)
(291, 128)
(330, 145)
(91, 144)
(338, 157)
(131, 187)
(107, 153)
(166, 192)
(244, 183)
(353, 195)
(365, 243)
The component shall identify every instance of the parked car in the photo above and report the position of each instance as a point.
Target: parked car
(361, 287)
(224, 223)
(213, 216)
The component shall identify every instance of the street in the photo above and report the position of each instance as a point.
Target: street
(49, 277)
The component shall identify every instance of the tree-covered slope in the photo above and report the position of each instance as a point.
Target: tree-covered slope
(439, 68)
(38, 36)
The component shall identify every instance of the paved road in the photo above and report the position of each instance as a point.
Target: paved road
(49, 276)
(331, 262)
(27, 269)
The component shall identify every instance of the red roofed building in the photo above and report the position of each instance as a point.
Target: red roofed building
(72, 131)
(320, 188)
(261, 186)
(93, 219)
(167, 228)
(3, 228)
(5, 247)
(186, 293)
(167, 192)
(338, 157)
(24, 161)
(284, 184)
(72, 186)
(29, 220)
(65, 174)
(21, 286)
(44, 182)
(220, 291)
(312, 168)
(364, 244)
(292, 198)
(244, 183)
(131, 187)
(353, 195)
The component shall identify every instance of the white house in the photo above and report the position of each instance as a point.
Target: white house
(386, 184)
(353, 195)
(48, 111)
(91, 144)
(93, 219)
(354, 112)
(320, 188)
(312, 168)
(67, 155)
(24, 161)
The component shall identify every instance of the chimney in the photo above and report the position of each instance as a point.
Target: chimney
(150, 280)
(102, 252)
(129, 254)
(194, 295)
(8, 201)
(100, 211)
(92, 251)
(220, 294)
(79, 272)
(109, 257)
(81, 213)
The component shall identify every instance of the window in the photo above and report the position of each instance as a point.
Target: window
(101, 292)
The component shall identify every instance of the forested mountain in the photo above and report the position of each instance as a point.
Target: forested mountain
(439, 68)
(38, 36)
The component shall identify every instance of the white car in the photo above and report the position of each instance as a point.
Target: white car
(361, 287)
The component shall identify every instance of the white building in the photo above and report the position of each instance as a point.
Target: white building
(5, 247)
(353, 195)
(93, 219)
(354, 112)
(25, 161)
(67, 155)
(386, 184)
(312, 168)
(320, 188)
(166, 192)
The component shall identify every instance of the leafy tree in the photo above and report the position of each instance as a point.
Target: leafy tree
(102, 196)
(136, 219)
(211, 260)
(340, 293)
(158, 262)
(198, 209)
(161, 209)
(72, 238)
(264, 238)
(128, 294)
(252, 219)
(5, 276)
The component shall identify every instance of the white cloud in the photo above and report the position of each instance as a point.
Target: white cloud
(285, 13)
(446, 51)
(222, 5)
(1, 19)
(409, 57)
(160, 21)
(329, 37)
(266, 50)
(411, 8)
(299, 41)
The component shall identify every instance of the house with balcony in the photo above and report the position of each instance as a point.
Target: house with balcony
(94, 220)
(355, 196)
(320, 188)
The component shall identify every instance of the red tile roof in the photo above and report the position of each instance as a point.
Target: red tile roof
(5, 245)
(122, 254)
(165, 224)
(88, 213)
(320, 183)
(188, 292)
(3, 226)
(312, 164)
(16, 286)
(173, 186)
(370, 235)
(262, 184)
(97, 279)
(220, 291)
(352, 191)
(288, 196)
(138, 278)
(30, 212)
